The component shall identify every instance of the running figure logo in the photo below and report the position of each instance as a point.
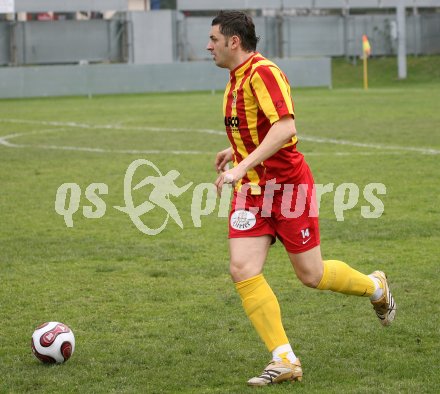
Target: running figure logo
(163, 187)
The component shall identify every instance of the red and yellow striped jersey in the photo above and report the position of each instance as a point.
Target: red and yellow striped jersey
(256, 96)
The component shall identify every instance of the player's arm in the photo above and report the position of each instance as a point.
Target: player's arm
(279, 134)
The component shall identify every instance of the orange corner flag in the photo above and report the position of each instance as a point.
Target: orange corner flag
(366, 48)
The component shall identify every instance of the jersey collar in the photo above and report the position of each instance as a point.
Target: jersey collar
(240, 69)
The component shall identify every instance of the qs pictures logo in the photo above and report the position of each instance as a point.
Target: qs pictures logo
(149, 198)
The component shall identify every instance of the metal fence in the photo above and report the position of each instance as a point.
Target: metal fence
(338, 35)
(62, 42)
(108, 41)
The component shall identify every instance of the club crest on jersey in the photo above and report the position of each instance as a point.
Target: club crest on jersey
(234, 98)
(242, 220)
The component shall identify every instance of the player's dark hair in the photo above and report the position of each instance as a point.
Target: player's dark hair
(237, 23)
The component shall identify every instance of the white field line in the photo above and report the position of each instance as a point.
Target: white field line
(4, 140)
(123, 151)
(425, 151)
(112, 126)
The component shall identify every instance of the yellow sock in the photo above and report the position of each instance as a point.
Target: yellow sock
(341, 278)
(262, 308)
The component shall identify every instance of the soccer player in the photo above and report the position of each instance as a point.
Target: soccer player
(272, 183)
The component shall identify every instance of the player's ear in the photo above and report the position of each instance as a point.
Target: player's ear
(235, 42)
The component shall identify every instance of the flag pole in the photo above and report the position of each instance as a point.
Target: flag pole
(366, 51)
(365, 72)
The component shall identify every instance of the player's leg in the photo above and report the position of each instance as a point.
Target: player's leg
(330, 274)
(339, 277)
(248, 256)
(300, 236)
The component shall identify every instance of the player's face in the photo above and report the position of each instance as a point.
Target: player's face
(219, 48)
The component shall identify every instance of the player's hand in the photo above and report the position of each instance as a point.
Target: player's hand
(229, 177)
(222, 159)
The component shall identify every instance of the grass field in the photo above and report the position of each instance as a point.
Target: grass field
(158, 314)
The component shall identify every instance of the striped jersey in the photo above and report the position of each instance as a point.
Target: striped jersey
(256, 96)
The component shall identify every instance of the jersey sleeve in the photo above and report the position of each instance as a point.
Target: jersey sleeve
(272, 92)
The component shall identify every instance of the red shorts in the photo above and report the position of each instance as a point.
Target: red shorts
(289, 214)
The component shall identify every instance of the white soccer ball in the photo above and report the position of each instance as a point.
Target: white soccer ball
(53, 342)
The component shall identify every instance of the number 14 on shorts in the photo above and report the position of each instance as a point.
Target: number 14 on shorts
(305, 233)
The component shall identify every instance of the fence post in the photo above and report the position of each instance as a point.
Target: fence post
(401, 39)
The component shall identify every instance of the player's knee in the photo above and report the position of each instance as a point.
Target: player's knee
(309, 279)
(236, 271)
(241, 271)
